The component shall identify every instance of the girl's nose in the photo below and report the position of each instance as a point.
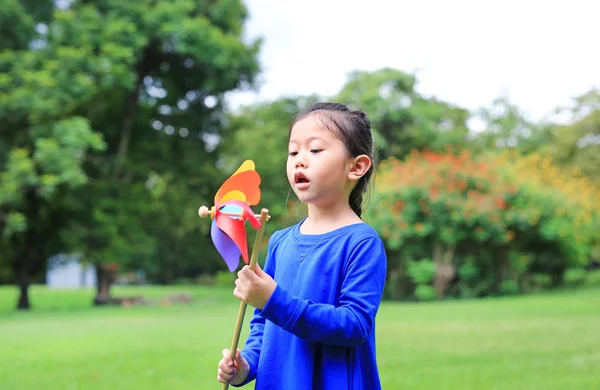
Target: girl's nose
(301, 160)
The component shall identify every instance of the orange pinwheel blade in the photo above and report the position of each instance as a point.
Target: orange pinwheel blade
(247, 165)
(243, 185)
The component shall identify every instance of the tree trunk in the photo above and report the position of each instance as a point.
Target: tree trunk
(502, 266)
(26, 253)
(23, 282)
(105, 276)
(169, 278)
(148, 62)
(444, 269)
(131, 107)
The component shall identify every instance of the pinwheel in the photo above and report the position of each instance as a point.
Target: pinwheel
(229, 215)
(231, 211)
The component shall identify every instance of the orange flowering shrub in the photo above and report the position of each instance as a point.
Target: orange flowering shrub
(572, 199)
(496, 217)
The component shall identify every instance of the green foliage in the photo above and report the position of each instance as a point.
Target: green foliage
(540, 281)
(573, 145)
(114, 130)
(421, 272)
(105, 110)
(577, 145)
(19, 173)
(592, 278)
(574, 276)
(509, 287)
(15, 223)
(225, 279)
(425, 292)
(507, 127)
(403, 119)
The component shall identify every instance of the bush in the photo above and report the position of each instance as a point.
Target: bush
(205, 279)
(592, 278)
(574, 276)
(511, 216)
(541, 281)
(509, 287)
(421, 272)
(225, 279)
(424, 292)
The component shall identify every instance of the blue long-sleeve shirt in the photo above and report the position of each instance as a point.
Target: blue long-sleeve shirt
(317, 331)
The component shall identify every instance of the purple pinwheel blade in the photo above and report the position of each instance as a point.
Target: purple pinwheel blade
(225, 246)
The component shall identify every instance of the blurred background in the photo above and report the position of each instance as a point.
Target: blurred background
(118, 120)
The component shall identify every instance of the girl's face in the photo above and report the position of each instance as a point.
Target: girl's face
(318, 164)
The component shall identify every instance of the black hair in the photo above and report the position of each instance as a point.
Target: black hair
(353, 127)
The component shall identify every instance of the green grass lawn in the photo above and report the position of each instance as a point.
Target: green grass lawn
(549, 341)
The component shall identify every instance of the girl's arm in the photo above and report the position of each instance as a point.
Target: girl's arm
(348, 324)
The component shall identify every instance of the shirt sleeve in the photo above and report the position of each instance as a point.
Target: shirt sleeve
(348, 324)
(251, 351)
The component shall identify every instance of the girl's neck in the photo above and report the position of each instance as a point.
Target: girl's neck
(325, 219)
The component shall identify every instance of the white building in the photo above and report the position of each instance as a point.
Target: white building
(66, 271)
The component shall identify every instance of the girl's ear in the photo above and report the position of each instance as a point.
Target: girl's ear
(359, 166)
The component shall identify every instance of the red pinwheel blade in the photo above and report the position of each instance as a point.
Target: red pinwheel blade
(248, 214)
(234, 229)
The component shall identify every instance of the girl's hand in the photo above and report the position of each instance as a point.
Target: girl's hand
(254, 287)
(230, 371)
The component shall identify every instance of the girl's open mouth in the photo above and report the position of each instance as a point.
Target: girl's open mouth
(301, 180)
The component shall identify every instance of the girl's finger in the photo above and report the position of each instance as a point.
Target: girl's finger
(225, 376)
(224, 367)
(237, 293)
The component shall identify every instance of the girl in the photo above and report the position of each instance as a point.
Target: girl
(316, 300)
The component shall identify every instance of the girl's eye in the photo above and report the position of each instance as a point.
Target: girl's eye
(315, 150)
(293, 153)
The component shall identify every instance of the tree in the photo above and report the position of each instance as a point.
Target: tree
(402, 118)
(577, 144)
(44, 145)
(115, 96)
(506, 126)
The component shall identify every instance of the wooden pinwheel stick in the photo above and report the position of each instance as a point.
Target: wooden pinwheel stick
(264, 216)
(204, 212)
